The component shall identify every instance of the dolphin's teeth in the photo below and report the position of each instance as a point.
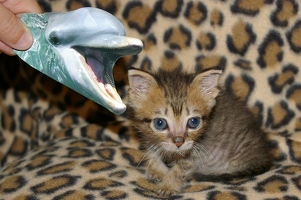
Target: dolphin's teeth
(112, 92)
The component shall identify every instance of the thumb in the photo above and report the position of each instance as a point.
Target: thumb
(13, 32)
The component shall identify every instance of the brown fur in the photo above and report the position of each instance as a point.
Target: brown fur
(227, 143)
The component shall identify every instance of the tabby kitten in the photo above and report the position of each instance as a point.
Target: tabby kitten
(189, 127)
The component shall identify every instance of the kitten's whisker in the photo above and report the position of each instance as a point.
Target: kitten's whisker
(151, 149)
(142, 159)
(181, 153)
(165, 155)
(159, 151)
(202, 150)
(196, 152)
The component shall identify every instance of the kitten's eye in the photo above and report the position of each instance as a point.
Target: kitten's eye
(160, 124)
(194, 122)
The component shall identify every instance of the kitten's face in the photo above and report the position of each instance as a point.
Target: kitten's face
(170, 108)
(176, 132)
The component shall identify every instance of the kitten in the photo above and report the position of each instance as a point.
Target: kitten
(189, 127)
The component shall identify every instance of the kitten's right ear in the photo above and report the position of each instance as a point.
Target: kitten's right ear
(140, 82)
(208, 82)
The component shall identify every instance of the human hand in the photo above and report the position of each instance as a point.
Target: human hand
(13, 32)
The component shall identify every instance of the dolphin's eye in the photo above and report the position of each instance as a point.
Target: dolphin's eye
(54, 39)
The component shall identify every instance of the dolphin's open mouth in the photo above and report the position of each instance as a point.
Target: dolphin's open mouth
(99, 60)
(93, 60)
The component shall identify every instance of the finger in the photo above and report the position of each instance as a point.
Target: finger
(22, 6)
(6, 49)
(12, 30)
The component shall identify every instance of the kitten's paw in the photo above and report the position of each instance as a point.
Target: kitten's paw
(167, 191)
(154, 177)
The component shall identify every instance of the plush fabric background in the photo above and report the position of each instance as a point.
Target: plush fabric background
(55, 144)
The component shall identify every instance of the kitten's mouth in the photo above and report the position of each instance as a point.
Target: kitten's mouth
(178, 146)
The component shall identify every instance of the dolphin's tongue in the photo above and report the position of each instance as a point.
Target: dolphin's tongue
(96, 67)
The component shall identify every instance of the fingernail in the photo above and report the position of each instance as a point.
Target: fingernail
(25, 41)
(12, 53)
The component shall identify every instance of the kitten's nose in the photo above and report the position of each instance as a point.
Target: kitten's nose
(178, 141)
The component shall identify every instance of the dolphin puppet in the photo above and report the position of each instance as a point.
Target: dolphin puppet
(79, 49)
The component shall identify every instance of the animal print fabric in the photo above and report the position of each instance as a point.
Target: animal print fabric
(55, 144)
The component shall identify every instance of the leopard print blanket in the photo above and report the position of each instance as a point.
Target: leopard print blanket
(56, 144)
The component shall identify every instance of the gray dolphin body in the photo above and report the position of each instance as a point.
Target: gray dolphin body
(79, 49)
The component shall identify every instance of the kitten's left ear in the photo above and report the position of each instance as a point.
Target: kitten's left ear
(140, 82)
(208, 82)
